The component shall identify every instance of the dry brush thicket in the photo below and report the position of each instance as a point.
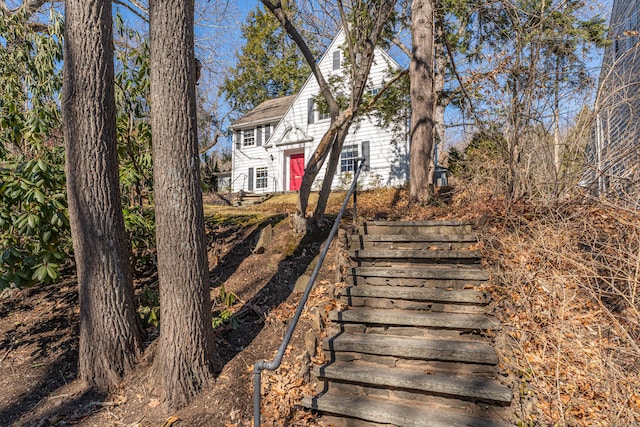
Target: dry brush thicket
(565, 272)
(565, 275)
(567, 279)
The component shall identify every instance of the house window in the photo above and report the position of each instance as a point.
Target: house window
(261, 178)
(373, 91)
(336, 59)
(248, 137)
(348, 158)
(324, 115)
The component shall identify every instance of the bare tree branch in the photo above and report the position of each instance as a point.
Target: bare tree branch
(452, 62)
(403, 47)
(284, 20)
(216, 137)
(32, 6)
(347, 33)
(140, 6)
(133, 10)
(386, 86)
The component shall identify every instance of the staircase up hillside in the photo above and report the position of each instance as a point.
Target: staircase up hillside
(412, 348)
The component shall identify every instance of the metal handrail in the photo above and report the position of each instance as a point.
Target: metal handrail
(275, 363)
(242, 175)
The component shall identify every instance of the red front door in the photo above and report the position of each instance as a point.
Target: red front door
(296, 171)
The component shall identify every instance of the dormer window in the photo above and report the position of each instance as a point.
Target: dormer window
(248, 137)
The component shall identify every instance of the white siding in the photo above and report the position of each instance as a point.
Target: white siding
(388, 151)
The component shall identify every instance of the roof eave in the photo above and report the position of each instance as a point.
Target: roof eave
(251, 123)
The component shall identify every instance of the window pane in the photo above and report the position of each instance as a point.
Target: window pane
(336, 59)
(248, 137)
(261, 178)
(348, 158)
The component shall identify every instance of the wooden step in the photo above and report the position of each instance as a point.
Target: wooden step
(425, 238)
(400, 414)
(459, 296)
(416, 227)
(399, 241)
(441, 273)
(436, 320)
(413, 282)
(417, 254)
(401, 304)
(465, 388)
(413, 348)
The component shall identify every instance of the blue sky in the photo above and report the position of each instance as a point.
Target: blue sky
(219, 34)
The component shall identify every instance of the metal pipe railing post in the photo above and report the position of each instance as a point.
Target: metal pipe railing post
(355, 206)
(261, 365)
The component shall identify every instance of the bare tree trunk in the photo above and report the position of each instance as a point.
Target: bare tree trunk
(557, 160)
(438, 89)
(110, 334)
(340, 122)
(312, 168)
(422, 100)
(332, 165)
(186, 351)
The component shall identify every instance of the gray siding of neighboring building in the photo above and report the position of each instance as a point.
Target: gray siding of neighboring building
(615, 153)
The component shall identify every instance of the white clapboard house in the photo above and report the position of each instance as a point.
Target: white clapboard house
(272, 142)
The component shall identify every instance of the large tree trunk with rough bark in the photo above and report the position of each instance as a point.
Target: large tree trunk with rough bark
(422, 101)
(110, 335)
(186, 352)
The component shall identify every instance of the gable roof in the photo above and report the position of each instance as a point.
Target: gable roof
(270, 109)
(276, 109)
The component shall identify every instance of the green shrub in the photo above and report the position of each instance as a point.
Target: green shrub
(34, 227)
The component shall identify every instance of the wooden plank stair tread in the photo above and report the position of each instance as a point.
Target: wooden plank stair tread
(465, 388)
(427, 223)
(436, 237)
(414, 348)
(444, 273)
(459, 321)
(414, 254)
(395, 413)
(460, 296)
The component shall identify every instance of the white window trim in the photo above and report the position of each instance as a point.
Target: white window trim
(323, 116)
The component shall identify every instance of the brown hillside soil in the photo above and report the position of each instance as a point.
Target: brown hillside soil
(564, 278)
